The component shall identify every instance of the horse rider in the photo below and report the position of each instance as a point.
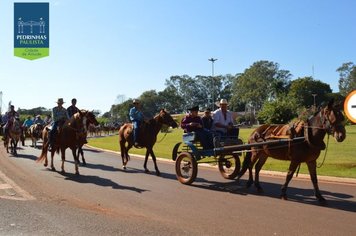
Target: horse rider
(223, 122)
(136, 117)
(27, 123)
(8, 118)
(38, 120)
(72, 109)
(48, 119)
(59, 115)
(193, 123)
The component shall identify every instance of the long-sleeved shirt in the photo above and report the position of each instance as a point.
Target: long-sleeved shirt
(135, 114)
(185, 124)
(59, 113)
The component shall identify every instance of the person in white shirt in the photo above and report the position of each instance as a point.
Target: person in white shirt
(223, 122)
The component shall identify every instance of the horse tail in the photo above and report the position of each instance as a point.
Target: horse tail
(44, 152)
(245, 164)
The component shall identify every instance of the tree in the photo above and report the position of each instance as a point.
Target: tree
(302, 89)
(347, 80)
(279, 111)
(261, 82)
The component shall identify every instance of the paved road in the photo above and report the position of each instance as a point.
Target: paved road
(104, 199)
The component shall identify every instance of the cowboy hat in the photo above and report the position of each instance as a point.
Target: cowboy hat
(223, 101)
(60, 101)
(135, 101)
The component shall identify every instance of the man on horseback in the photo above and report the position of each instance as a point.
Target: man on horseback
(136, 117)
(7, 119)
(38, 120)
(59, 115)
(72, 109)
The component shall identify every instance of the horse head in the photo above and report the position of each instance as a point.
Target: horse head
(334, 121)
(165, 118)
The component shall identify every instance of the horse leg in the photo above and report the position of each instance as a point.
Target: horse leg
(63, 158)
(82, 154)
(76, 160)
(258, 167)
(292, 167)
(250, 181)
(312, 172)
(52, 155)
(145, 163)
(158, 173)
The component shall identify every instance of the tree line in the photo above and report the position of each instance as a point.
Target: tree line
(263, 91)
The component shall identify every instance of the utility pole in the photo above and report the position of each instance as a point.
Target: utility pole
(314, 95)
(212, 81)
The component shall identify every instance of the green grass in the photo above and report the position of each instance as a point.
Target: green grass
(340, 159)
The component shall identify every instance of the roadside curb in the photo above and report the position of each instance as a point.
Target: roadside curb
(321, 178)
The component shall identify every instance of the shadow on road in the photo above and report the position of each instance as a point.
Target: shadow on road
(91, 179)
(335, 200)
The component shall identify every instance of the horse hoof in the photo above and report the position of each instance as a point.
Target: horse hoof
(147, 171)
(124, 167)
(284, 197)
(158, 173)
(63, 172)
(77, 174)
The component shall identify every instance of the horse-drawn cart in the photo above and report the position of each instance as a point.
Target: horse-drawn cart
(226, 154)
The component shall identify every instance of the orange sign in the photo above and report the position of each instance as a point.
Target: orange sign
(350, 106)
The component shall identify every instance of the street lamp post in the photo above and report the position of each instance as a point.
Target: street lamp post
(212, 80)
(314, 95)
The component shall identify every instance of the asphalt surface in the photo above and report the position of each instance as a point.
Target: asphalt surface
(105, 199)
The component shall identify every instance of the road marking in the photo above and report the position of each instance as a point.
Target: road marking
(12, 191)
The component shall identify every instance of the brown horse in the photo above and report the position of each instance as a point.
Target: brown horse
(35, 132)
(14, 136)
(81, 141)
(69, 136)
(147, 137)
(328, 120)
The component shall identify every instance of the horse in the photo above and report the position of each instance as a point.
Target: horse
(91, 121)
(328, 120)
(147, 137)
(14, 135)
(35, 132)
(68, 137)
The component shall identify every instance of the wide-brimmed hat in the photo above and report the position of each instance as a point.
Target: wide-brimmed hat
(60, 101)
(195, 108)
(38, 116)
(223, 101)
(135, 101)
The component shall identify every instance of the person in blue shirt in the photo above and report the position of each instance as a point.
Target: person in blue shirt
(136, 117)
(27, 123)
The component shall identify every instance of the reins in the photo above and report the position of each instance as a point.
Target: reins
(165, 134)
(326, 150)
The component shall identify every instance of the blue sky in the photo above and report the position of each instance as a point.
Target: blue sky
(102, 49)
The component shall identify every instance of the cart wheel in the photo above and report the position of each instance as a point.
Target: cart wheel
(186, 168)
(229, 166)
(175, 151)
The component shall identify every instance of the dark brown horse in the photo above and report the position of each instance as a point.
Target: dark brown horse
(69, 136)
(15, 132)
(328, 120)
(147, 137)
